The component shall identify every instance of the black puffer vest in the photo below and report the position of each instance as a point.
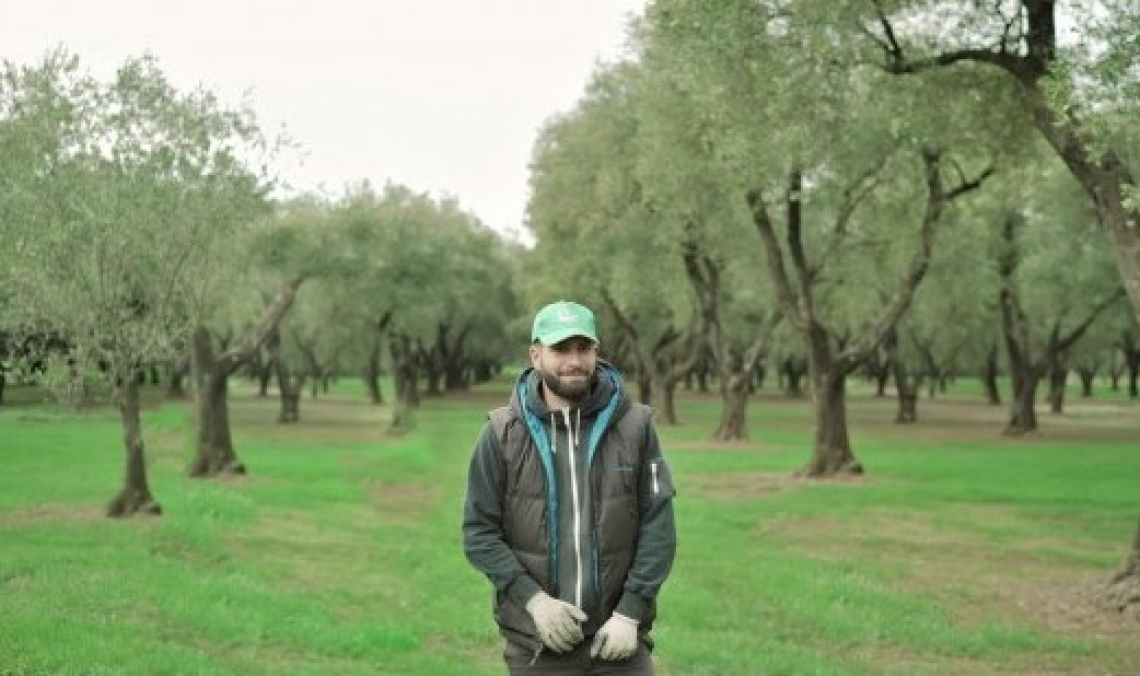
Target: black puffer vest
(527, 522)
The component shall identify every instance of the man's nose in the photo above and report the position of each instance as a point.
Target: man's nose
(576, 356)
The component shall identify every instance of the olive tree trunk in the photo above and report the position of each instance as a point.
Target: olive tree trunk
(405, 380)
(733, 425)
(135, 497)
(1122, 593)
(290, 383)
(214, 452)
(831, 448)
(372, 374)
(214, 444)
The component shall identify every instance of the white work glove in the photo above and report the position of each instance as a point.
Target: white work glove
(616, 640)
(557, 622)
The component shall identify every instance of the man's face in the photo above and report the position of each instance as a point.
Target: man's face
(567, 368)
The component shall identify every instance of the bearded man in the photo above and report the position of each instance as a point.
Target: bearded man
(569, 509)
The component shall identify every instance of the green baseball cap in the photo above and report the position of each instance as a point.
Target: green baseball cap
(558, 321)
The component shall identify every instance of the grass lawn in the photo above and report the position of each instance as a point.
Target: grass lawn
(960, 552)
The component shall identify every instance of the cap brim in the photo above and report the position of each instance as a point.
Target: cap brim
(556, 337)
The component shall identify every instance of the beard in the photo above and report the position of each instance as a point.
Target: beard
(572, 390)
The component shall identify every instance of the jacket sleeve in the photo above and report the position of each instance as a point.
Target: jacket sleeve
(657, 535)
(483, 540)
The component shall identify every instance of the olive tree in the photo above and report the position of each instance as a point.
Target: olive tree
(1080, 88)
(120, 196)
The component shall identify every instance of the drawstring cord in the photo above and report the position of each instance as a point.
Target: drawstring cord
(573, 440)
(553, 436)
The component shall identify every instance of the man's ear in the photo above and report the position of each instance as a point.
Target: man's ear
(535, 354)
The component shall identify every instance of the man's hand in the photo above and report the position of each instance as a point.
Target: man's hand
(557, 622)
(616, 640)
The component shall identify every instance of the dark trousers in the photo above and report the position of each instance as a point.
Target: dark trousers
(522, 662)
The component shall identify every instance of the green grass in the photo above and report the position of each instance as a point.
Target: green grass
(962, 552)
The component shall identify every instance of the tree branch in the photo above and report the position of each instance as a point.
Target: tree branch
(853, 195)
(1063, 344)
(784, 294)
(937, 199)
(1027, 69)
(235, 356)
(625, 324)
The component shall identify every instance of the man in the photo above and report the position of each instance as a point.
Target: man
(569, 509)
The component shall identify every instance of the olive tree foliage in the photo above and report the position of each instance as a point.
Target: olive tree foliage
(10, 361)
(951, 325)
(120, 196)
(842, 179)
(432, 288)
(957, 325)
(306, 344)
(461, 327)
(688, 182)
(601, 240)
(389, 274)
(311, 342)
(1073, 65)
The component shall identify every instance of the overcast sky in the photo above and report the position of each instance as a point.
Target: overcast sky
(439, 95)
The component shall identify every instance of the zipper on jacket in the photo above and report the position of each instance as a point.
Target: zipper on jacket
(573, 448)
(653, 469)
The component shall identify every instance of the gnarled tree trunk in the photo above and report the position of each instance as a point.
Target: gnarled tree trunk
(831, 450)
(215, 448)
(1130, 350)
(703, 371)
(1022, 410)
(906, 390)
(1087, 374)
(989, 376)
(906, 386)
(735, 364)
(135, 497)
(372, 374)
(881, 375)
(793, 369)
(1122, 593)
(644, 387)
(1024, 374)
(1058, 378)
(733, 424)
(215, 451)
(290, 382)
(1025, 369)
(667, 402)
(405, 378)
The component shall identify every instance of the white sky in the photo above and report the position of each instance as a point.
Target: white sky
(443, 96)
